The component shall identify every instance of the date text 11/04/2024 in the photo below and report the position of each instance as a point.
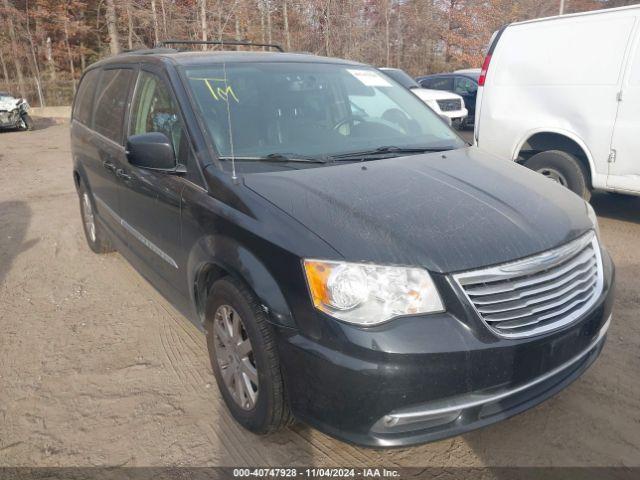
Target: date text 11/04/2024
(316, 472)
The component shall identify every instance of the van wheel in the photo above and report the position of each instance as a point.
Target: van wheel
(563, 168)
(244, 358)
(96, 238)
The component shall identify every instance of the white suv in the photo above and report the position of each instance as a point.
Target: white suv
(446, 104)
(561, 96)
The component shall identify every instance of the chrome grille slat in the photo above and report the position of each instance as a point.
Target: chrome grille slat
(587, 271)
(540, 318)
(537, 294)
(508, 286)
(449, 105)
(582, 286)
(509, 315)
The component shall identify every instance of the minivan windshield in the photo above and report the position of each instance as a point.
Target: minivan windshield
(283, 110)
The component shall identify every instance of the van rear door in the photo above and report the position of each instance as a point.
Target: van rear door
(624, 162)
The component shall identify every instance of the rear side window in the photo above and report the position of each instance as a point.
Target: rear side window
(444, 83)
(84, 99)
(111, 102)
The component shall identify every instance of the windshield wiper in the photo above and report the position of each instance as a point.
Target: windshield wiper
(385, 150)
(280, 157)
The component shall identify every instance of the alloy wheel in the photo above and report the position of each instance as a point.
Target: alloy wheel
(234, 355)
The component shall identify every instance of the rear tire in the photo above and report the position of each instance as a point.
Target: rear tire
(563, 168)
(232, 303)
(96, 238)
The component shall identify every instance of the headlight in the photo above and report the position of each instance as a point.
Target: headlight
(594, 218)
(366, 294)
(433, 104)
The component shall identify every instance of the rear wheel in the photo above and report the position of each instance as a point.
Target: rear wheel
(96, 238)
(563, 168)
(244, 358)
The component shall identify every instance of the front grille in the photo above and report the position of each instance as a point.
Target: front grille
(537, 294)
(450, 105)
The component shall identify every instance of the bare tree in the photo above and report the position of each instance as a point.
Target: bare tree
(164, 19)
(154, 13)
(112, 27)
(203, 22)
(285, 19)
(5, 73)
(50, 61)
(14, 46)
(269, 27)
(129, 24)
(35, 68)
(72, 69)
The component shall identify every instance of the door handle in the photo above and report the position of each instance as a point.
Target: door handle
(109, 165)
(120, 173)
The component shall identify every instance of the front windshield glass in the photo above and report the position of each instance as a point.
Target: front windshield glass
(315, 110)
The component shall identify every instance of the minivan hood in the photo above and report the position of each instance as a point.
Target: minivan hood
(450, 211)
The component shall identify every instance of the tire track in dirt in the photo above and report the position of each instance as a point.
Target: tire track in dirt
(172, 358)
(183, 357)
(338, 452)
(192, 342)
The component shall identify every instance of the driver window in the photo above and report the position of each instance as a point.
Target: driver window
(442, 83)
(154, 110)
(464, 86)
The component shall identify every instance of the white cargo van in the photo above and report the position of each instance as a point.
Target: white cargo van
(561, 95)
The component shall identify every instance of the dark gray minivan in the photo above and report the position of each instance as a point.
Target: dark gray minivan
(354, 264)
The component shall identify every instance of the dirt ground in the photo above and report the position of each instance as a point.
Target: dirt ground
(96, 368)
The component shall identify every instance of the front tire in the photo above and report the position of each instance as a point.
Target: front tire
(96, 237)
(244, 358)
(563, 168)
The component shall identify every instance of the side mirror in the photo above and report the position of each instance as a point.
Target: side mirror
(151, 150)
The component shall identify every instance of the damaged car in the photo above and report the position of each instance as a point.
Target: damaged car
(354, 264)
(14, 113)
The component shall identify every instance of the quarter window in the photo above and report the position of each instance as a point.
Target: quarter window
(111, 103)
(84, 99)
(155, 110)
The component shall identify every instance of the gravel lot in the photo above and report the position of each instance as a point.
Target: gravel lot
(96, 368)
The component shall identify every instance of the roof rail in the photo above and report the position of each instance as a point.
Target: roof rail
(163, 43)
(148, 51)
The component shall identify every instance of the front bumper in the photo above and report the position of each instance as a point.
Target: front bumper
(9, 119)
(460, 414)
(420, 379)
